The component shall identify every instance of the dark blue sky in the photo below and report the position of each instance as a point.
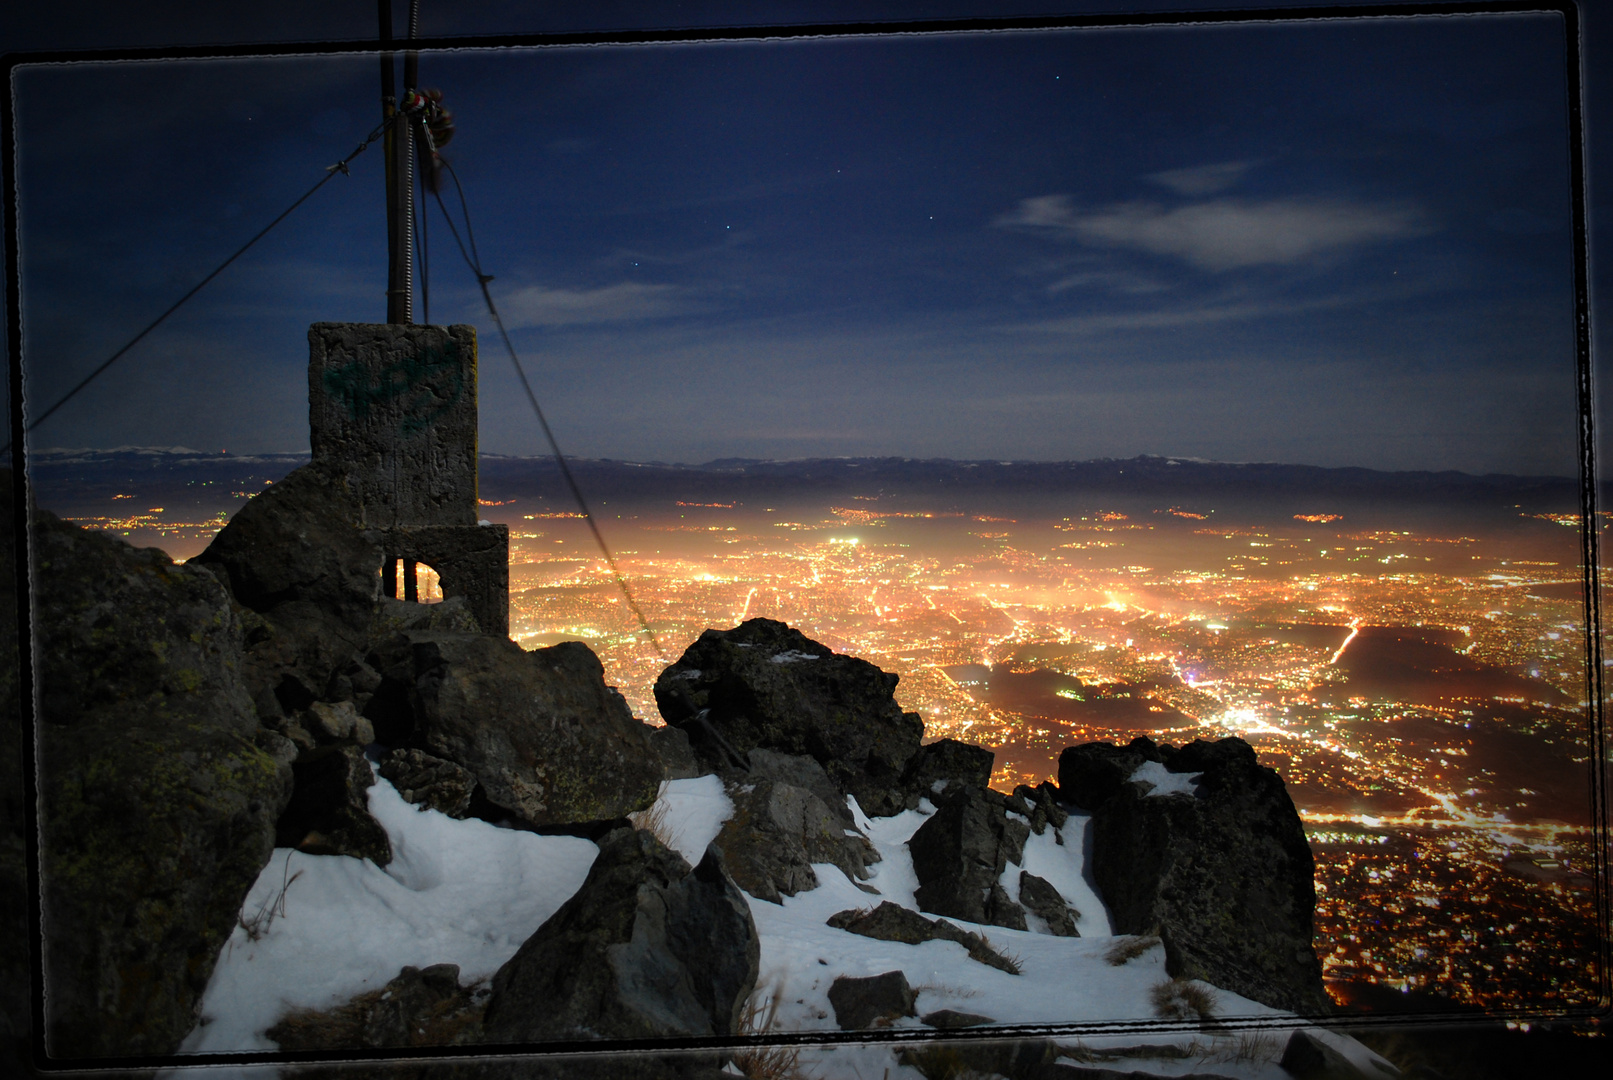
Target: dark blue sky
(1337, 243)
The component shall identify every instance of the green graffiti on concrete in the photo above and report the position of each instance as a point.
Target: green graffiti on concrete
(417, 388)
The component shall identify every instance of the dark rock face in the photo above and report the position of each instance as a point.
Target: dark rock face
(1039, 897)
(298, 541)
(1092, 774)
(777, 832)
(329, 809)
(158, 807)
(647, 948)
(428, 781)
(671, 746)
(544, 736)
(941, 767)
(892, 922)
(764, 684)
(876, 1000)
(960, 853)
(1225, 877)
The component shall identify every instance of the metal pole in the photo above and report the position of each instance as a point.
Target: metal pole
(396, 285)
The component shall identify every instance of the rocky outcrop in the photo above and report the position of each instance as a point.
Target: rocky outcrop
(1040, 898)
(547, 741)
(941, 767)
(297, 542)
(329, 809)
(158, 805)
(871, 1002)
(432, 782)
(892, 922)
(776, 833)
(1221, 872)
(960, 854)
(765, 685)
(647, 948)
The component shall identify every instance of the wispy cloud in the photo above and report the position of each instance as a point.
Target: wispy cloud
(1202, 179)
(1223, 234)
(628, 301)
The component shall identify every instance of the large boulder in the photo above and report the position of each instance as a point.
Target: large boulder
(547, 741)
(648, 948)
(777, 831)
(299, 540)
(959, 856)
(941, 767)
(764, 684)
(1217, 866)
(157, 805)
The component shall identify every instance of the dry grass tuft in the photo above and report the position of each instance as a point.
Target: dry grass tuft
(1182, 999)
(257, 924)
(766, 1062)
(1126, 949)
(654, 819)
(1247, 1048)
(1012, 963)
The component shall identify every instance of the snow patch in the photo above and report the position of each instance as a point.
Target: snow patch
(790, 656)
(1165, 782)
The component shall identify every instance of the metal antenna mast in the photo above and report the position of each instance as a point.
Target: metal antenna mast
(399, 172)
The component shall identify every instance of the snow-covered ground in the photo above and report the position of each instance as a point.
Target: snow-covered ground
(327, 928)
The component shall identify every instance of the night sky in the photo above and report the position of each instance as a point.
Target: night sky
(1333, 243)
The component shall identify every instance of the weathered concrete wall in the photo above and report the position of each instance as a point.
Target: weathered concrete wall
(472, 561)
(392, 408)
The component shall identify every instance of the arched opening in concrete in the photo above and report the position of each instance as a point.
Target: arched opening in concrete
(412, 580)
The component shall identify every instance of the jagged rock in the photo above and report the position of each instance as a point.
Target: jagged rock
(1042, 808)
(776, 833)
(1224, 876)
(337, 722)
(420, 1007)
(647, 948)
(870, 1002)
(950, 1019)
(892, 922)
(1039, 897)
(672, 749)
(1308, 1057)
(297, 541)
(764, 684)
(329, 811)
(429, 781)
(544, 736)
(1091, 774)
(802, 771)
(960, 853)
(941, 767)
(157, 807)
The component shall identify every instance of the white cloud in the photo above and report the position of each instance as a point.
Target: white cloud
(535, 305)
(1202, 179)
(1224, 234)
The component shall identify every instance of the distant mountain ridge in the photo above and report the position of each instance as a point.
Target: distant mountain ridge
(741, 477)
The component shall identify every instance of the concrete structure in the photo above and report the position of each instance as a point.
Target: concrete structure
(392, 410)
